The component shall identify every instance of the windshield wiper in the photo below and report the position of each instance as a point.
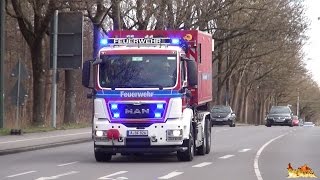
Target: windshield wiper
(121, 86)
(149, 85)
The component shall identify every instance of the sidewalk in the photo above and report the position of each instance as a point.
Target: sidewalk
(18, 143)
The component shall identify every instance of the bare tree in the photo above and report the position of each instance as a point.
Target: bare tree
(33, 29)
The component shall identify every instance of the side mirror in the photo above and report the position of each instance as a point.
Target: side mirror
(192, 73)
(86, 74)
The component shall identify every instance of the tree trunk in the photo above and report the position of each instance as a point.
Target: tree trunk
(116, 17)
(219, 69)
(70, 108)
(236, 94)
(38, 67)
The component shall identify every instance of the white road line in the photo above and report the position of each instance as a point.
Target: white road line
(20, 174)
(256, 159)
(171, 175)
(113, 174)
(244, 150)
(226, 156)
(58, 176)
(48, 137)
(66, 164)
(202, 164)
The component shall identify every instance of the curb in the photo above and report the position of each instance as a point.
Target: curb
(42, 146)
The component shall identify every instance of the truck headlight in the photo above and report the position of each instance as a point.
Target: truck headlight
(174, 134)
(99, 133)
(177, 132)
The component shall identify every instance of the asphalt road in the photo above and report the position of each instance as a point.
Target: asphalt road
(246, 152)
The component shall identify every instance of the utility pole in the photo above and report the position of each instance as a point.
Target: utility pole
(54, 72)
(298, 103)
(2, 52)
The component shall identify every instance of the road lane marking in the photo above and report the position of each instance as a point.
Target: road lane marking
(58, 176)
(114, 174)
(226, 156)
(20, 174)
(66, 164)
(48, 137)
(171, 175)
(202, 164)
(244, 150)
(256, 159)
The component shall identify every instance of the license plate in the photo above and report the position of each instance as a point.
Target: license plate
(279, 120)
(137, 132)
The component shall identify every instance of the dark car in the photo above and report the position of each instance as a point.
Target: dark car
(223, 115)
(279, 115)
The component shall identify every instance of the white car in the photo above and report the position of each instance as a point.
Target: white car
(308, 124)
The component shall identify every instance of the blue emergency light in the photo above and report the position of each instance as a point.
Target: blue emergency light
(159, 106)
(157, 115)
(151, 41)
(116, 115)
(175, 41)
(104, 42)
(114, 106)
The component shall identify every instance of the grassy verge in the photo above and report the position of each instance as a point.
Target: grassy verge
(32, 129)
(4, 132)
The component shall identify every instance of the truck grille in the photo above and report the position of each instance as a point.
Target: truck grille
(137, 111)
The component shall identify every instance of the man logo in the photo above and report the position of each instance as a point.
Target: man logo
(137, 111)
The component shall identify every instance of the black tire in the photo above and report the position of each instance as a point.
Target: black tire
(206, 144)
(202, 149)
(188, 154)
(102, 156)
(232, 124)
(268, 125)
(208, 140)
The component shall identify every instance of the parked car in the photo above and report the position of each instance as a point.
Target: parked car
(279, 115)
(223, 115)
(295, 121)
(308, 124)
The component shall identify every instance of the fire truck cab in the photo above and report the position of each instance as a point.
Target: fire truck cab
(151, 91)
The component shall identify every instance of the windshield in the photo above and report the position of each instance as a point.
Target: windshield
(221, 109)
(138, 71)
(280, 110)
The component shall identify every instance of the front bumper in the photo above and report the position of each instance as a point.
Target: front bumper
(149, 149)
(286, 122)
(158, 134)
(221, 121)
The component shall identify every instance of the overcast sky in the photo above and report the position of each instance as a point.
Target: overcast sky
(312, 48)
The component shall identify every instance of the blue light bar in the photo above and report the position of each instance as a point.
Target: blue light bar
(103, 42)
(175, 41)
(157, 115)
(116, 115)
(114, 106)
(159, 106)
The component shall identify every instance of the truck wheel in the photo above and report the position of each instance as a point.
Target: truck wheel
(102, 156)
(188, 154)
(207, 131)
(206, 143)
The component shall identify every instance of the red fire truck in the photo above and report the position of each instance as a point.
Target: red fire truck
(151, 91)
